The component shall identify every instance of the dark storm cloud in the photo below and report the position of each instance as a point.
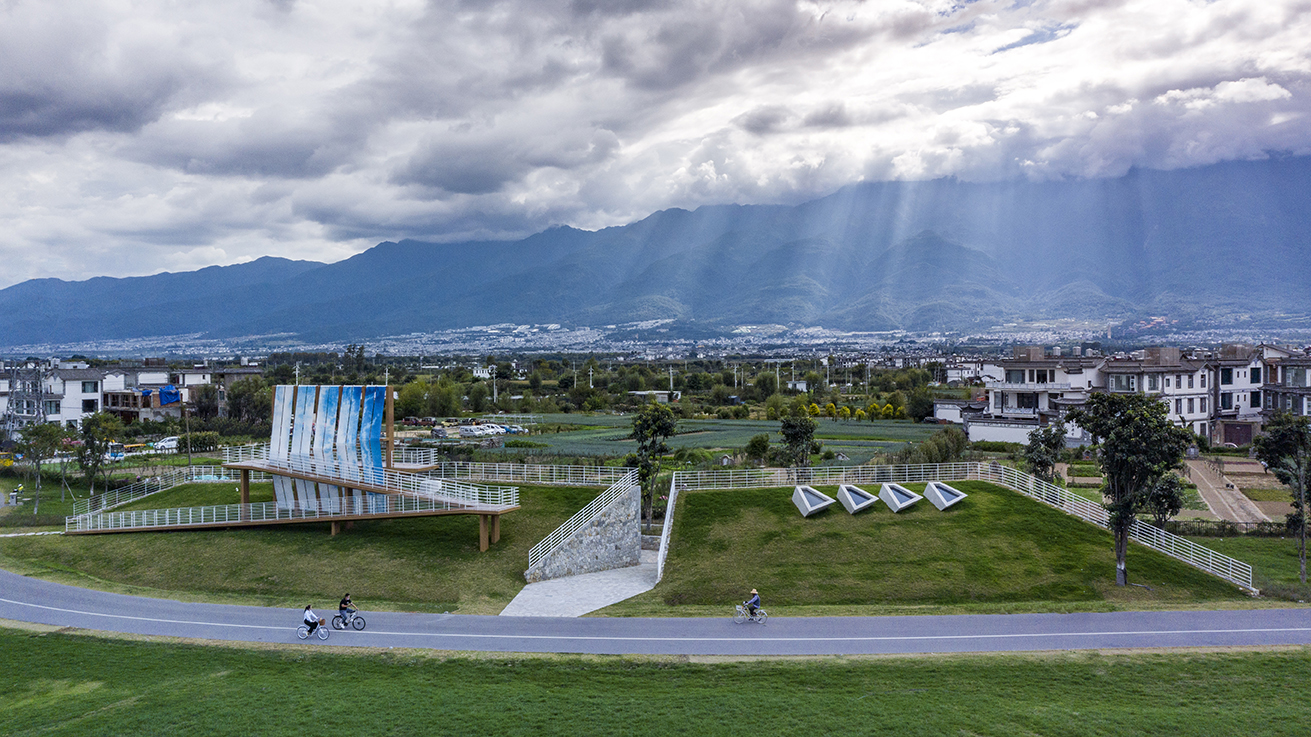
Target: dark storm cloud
(193, 133)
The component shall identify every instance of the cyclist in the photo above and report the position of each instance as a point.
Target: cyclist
(311, 619)
(346, 608)
(753, 603)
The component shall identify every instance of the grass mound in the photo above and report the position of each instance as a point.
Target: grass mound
(995, 547)
(428, 564)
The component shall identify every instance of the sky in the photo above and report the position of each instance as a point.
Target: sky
(140, 136)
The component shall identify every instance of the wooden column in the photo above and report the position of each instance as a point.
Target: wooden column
(245, 494)
(496, 528)
(482, 533)
(336, 528)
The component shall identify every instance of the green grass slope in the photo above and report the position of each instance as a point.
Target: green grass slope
(427, 564)
(994, 548)
(67, 684)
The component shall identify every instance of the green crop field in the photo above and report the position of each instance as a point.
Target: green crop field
(74, 684)
(607, 435)
(426, 564)
(996, 549)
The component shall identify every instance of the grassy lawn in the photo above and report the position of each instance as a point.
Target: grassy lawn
(425, 564)
(70, 684)
(1283, 494)
(997, 550)
(1274, 562)
(200, 495)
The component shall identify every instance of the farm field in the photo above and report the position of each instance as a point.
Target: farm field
(426, 564)
(75, 684)
(995, 551)
(608, 436)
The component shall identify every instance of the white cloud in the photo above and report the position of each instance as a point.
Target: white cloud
(174, 136)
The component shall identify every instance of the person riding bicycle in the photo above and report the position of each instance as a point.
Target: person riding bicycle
(753, 603)
(311, 619)
(346, 608)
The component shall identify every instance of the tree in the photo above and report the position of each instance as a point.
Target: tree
(798, 431)
(1285, 449)
(1044, 450)
(831, 411)
(204, 401)
(920, 404)
(1138, 447)
(250, 400)
(1164, 499)
(766, 385)
(758, 447)
(39, 444)
(478, 396)
(96, 433)
(652, 425)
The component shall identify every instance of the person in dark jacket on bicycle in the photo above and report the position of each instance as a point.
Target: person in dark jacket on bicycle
(753, 603)
(346, 608)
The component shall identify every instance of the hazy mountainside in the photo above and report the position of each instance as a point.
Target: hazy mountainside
(1228, 239)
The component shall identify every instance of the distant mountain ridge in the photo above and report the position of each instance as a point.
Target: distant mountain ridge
(1230, 239)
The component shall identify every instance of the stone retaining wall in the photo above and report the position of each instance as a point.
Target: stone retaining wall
(612, 539)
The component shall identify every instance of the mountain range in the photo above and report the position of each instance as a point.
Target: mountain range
(1226, 242)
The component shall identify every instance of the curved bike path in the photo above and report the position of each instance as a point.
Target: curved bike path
(33, 600)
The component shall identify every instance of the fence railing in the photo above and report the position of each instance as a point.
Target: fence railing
(263, 512)
(546, 475)
(1208, 560)
(372, 478)
(156, 484)
(549, 543)
(666, 533)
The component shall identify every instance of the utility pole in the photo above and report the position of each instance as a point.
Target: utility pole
(671, 380)
(589, 377)
(298, 373)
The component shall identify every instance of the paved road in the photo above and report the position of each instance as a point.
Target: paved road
(33, 600)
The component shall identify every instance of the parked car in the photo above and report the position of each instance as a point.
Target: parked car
(166, 445)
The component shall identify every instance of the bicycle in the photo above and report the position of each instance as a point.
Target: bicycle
(353, 619)
(741, 615)
(303, 631)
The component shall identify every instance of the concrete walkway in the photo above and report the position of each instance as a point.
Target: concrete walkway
(574, 596)
(1227, 502)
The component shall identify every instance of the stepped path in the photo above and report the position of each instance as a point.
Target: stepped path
(34, 600)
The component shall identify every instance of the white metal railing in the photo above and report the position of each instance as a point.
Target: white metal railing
(372, 478)
(514, 419)
(155, 484)
(1019, 410)
(545, 474)
(245, 453)
(549, 543)
(1027, 386)
(256, 513)
(1189, 552)
(667, 531)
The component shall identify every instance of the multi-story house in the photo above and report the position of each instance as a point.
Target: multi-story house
(1287, 387)
(1034, 390)
(1181, 383)
(1238, 375)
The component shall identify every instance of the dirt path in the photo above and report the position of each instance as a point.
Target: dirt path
(1227, 502)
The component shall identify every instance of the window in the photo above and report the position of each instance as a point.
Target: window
(90, 406)
(1153, 382)
(1203, 375)
(1179, 406)
(1122, 383)
(1015, 376)
(1227, 400)
(1201, 405)
(1256, 399)
(1294, 376)
(996, 399)
(1167, 382)
(1190, 406)
(1190, 381)
(90, 387)
(1256, 375)
(52, 406)
(1226, 376)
